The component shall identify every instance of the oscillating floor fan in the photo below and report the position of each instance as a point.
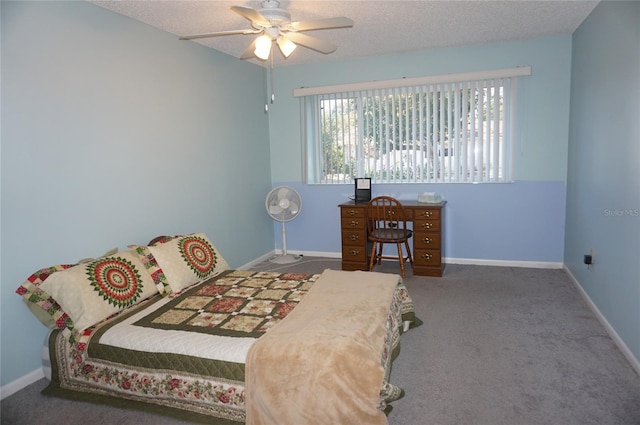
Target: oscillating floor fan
(283, 204)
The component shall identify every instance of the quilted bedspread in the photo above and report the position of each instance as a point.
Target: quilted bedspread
(186, 353)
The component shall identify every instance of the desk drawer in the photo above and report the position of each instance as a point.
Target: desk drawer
(420, 213)
(354, 236)
(426, 225)
(354, 254)
(352, 223)
(426, 240)
(346, 212)
(427, 257)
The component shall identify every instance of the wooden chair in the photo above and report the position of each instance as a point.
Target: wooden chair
(386, 223)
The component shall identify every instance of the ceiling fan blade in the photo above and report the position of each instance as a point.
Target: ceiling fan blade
(248, 54)
(219, 33)
(312, 43)
(252, 15)
(322, 24)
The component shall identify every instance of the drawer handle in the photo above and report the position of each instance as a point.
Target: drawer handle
(427, 257)
(353, 223)
(352, 212)
(427, 240)
(426, 214)
(354, 252)
(427, 225)
(354, 237)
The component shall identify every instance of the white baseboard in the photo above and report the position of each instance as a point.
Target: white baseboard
(257, 261)
(319, 254)
(504, 263)
(20, 383)
(635, 364)
(446, 260)
(275, 252)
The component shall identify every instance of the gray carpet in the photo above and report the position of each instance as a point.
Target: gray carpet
(499, 345)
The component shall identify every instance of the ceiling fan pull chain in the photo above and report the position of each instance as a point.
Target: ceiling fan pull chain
(265, 85)
(273, 95)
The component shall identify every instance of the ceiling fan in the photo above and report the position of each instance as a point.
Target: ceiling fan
(274, 24)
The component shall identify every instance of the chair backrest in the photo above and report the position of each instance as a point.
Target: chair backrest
(385, 212)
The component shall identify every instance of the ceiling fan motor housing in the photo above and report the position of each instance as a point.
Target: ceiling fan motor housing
(271, 10)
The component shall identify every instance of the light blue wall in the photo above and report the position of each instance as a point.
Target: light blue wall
(112, 133)
(488, 232)
(603, 187)
(523, 221)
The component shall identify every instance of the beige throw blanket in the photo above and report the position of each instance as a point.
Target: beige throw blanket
(321, 365)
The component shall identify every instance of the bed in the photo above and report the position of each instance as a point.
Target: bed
(224, 346)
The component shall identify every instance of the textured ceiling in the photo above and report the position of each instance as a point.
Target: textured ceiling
(381, 26)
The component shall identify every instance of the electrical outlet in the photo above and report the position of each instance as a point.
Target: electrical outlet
(588, 258)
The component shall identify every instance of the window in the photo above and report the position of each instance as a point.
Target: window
(448, 129)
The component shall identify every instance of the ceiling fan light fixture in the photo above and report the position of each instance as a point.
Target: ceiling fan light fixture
(274, 24)
(263, 47)
(286, 46)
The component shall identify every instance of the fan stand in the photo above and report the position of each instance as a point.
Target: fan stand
(285, 258)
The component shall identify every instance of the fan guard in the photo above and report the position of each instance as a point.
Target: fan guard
(283, 203)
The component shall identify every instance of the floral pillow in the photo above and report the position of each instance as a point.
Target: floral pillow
(45, 308)
(186, 260)
(82, 295)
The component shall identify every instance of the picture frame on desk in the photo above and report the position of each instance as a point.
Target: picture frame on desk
(362, 189)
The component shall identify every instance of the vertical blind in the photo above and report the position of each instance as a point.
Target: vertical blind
(456, 128)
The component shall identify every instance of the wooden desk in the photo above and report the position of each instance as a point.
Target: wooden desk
(428, 221)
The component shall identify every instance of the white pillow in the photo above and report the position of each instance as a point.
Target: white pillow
(187, 260)
(91, 292)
